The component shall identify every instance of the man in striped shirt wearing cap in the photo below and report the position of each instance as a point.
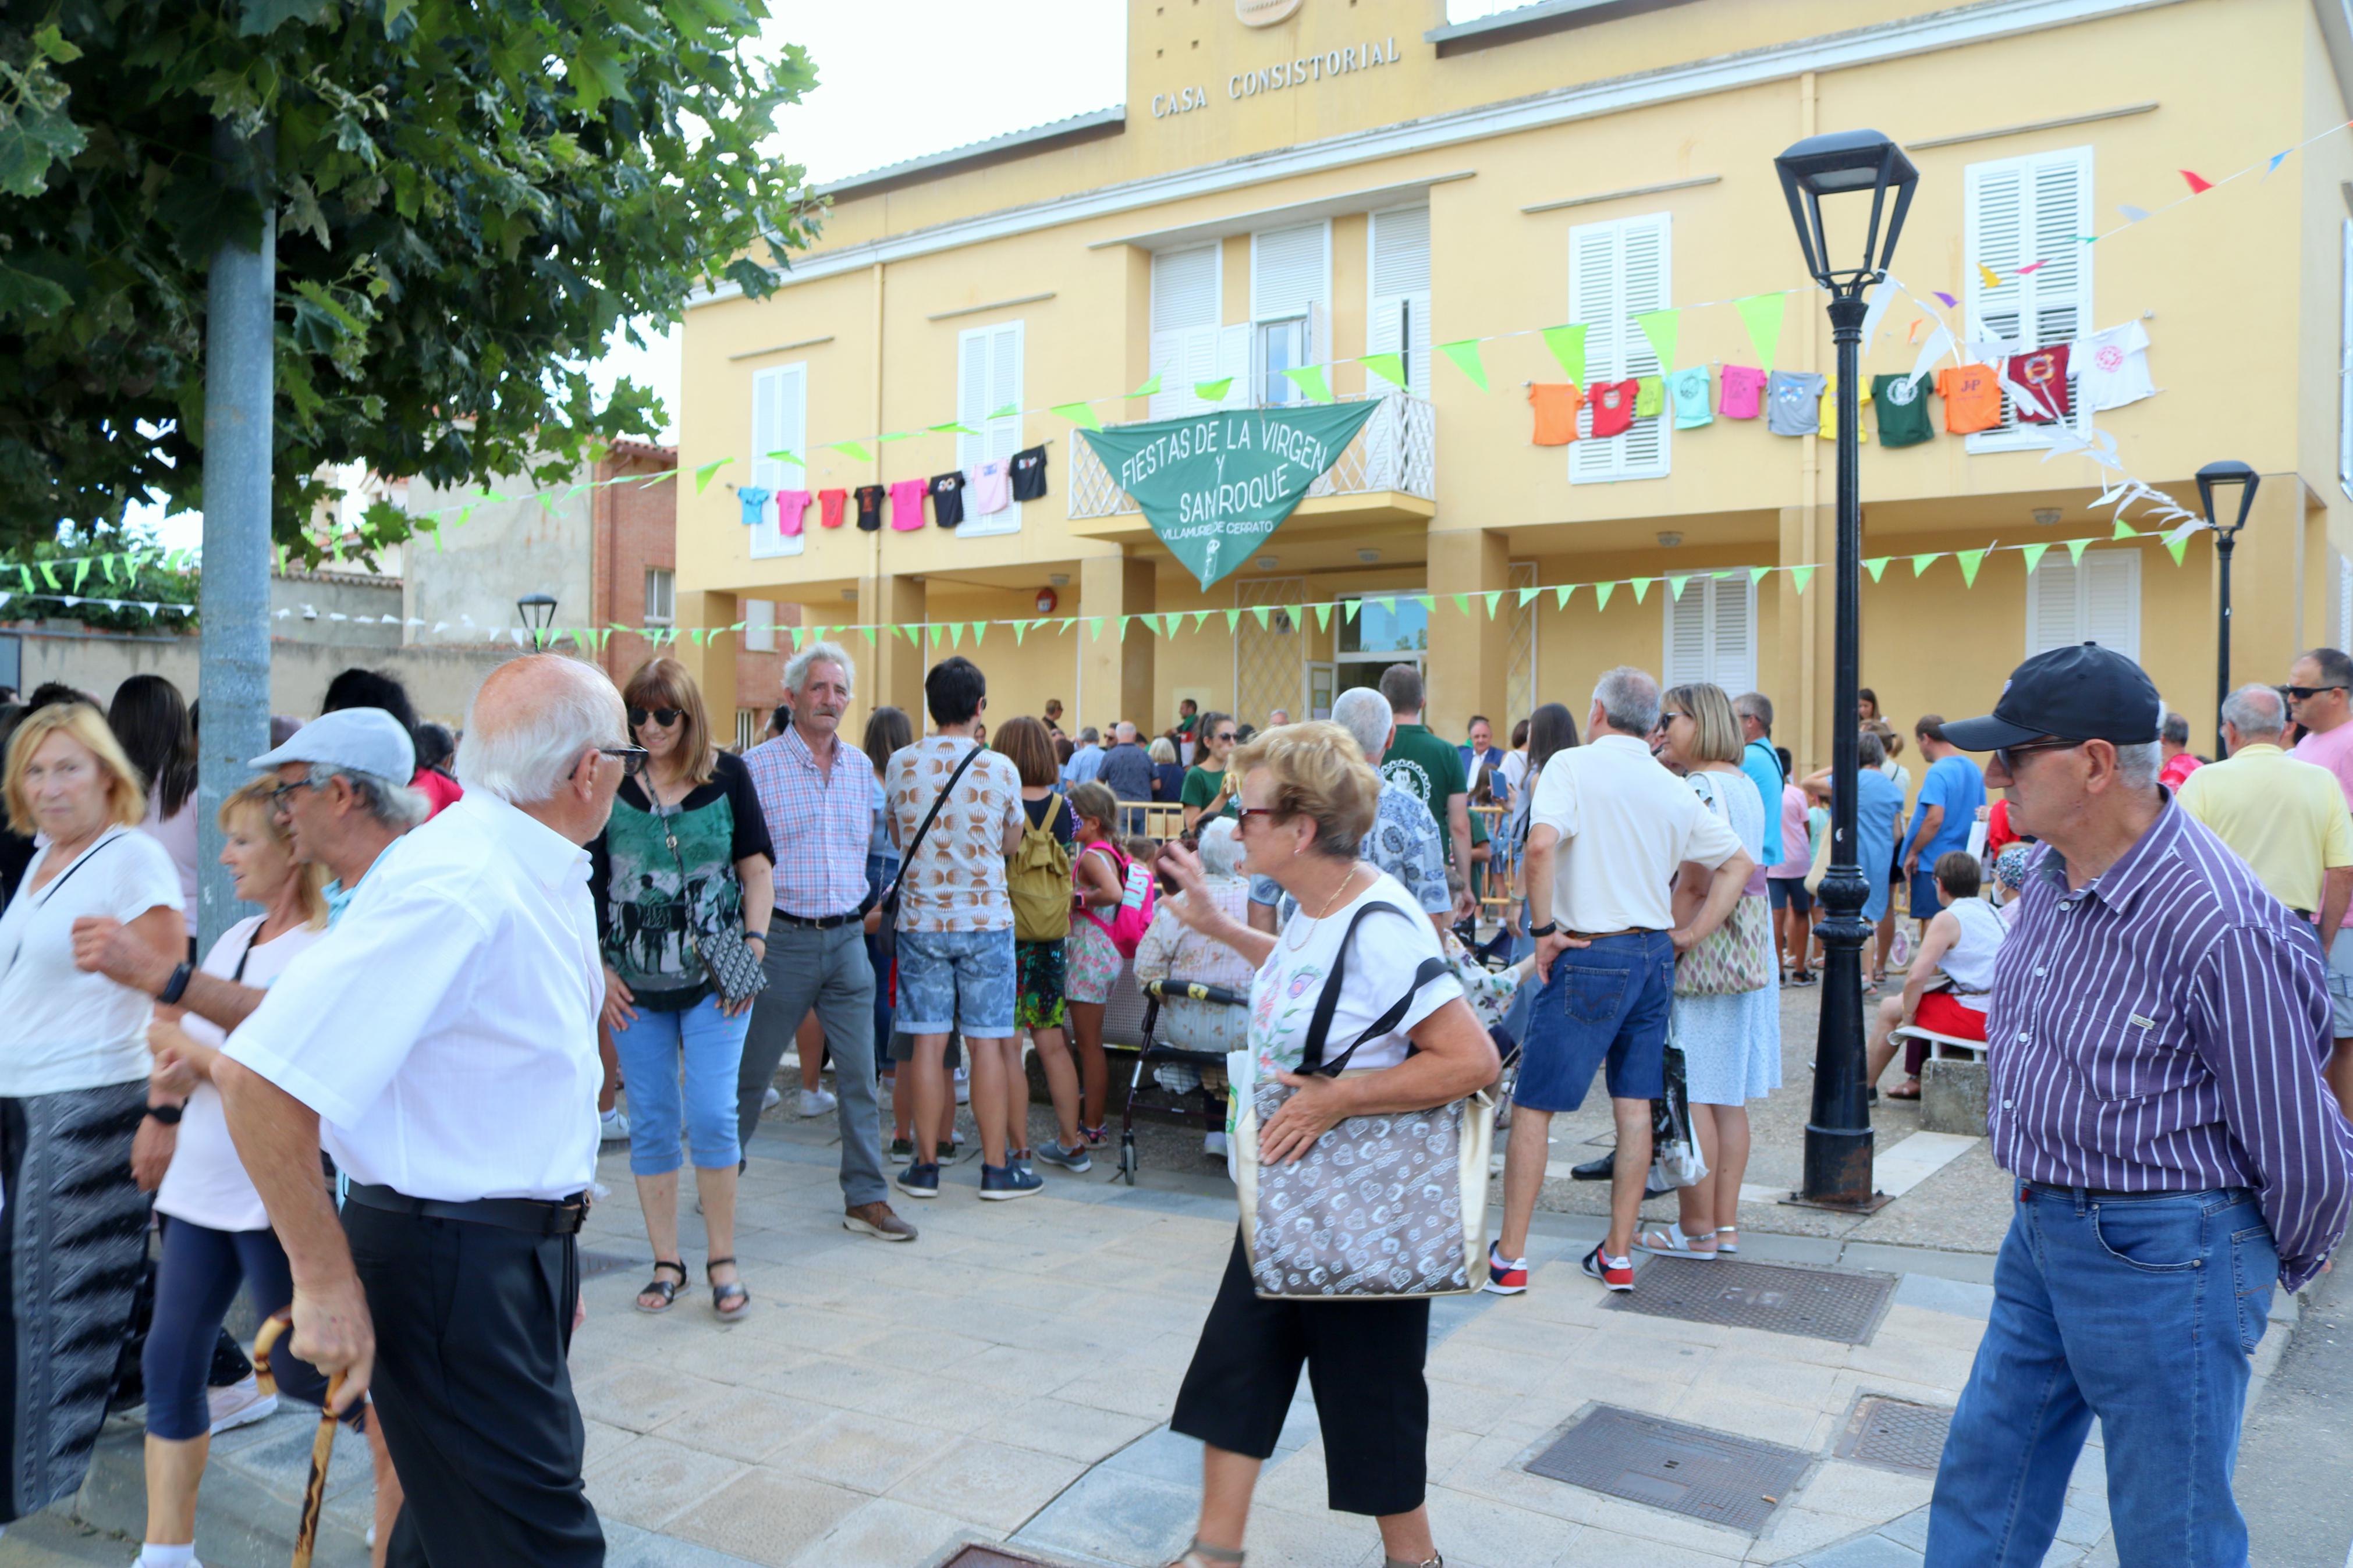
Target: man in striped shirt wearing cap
(2156, 1041)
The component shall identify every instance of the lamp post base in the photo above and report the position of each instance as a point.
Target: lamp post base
(1838, 1172)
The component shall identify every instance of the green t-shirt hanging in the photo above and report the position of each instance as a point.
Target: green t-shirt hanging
(1903, 405)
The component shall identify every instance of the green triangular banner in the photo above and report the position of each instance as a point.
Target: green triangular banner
(1389, 367)
(950, 428)
(1494, 598)
(1233, 621)
(2176, 544)
(1464, 353)
(1642, 586)
(1568, 346)
(1008, 412)
(1601, 592)
(1560, 595)
(1309, 379)
(1676, 586)
(1095, 627)
(1528, 594)
(1078, 414)
(1462, 602)
(1258, 613)
(1875, 566)
(1348, 608)
(1322, 617)
(2075, 550)
(1757, 574)
(852, 451)
(1920, 564)
(1020, 630)
(2125, 530)
(1761, 314)
(1428, 602)
(890, 436)
(2033, 553)
(702, 475)
(1200, 619)
(1663, 328)
(979, 630)
(1213, 391)
(1801, 575)
(1147, 389)
(1970, 560)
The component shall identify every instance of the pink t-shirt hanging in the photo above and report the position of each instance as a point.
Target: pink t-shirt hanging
(992, 488)
(1741, 394)
(792, 506)
(907, 504)
(1612, 403)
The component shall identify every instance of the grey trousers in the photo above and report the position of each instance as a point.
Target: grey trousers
(826, 970)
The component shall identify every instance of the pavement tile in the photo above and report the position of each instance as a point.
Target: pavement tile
(920, 1397)
(639, 1397)
(603, 1442)
(1860, 1493)
(883, 1533)
(1295, 1481)
(1121, 1517)
(1163, 1455)
(1746, 1416)
(1280, 1539)
(1022, 1371)
(993, 1483)
(1144, 1391)
(627, 1546)
(1481, 1530)
(2083, 1526)
(769, 1518)
(852, 1448)
(652, 1481)
(1912, 1530)
(743, 1423)
(1796, 1531)
(1865, 1551)
(1058, 1427)
(1652, 1524)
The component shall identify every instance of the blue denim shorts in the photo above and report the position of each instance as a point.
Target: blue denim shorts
(1606, 1002)
(960, 980)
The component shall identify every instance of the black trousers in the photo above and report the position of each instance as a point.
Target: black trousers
(473, 1323)
(1364, 1361)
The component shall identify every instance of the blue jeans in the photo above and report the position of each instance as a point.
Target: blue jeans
(649, 1049)
(1606, 1002)
(2142, 1311)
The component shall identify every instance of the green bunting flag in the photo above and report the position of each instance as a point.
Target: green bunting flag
(1148, 388)
(1078, 414)
(1201, 618)
(1322, 617)
(1970, 560)
(1233, 621)
(1428, 602)
(1462, 602)
(1568, 346)
(1494, 598)
(1258, 613)
(1676, 586)
(1213, 391)
(1560, 595)
(81, 573)
(1601, 592)
(1757, 574)
(950, 428)
(1527, 594)
(2075, 550)
(1920, 564)
(1020, 630)
(1761, 314)
(782, 456)
(2175, 543)
(2033, 553)
(1008, 412)
(1800, 576)
(1094, 625)
(1464, 353)
(979, 630)
(1663, 328)
(1875, 566)
(1389, 367)
(1641, 585)
(704, 473)
(1309, 379)
(890, 436)
(1348, 609)
(851, 451)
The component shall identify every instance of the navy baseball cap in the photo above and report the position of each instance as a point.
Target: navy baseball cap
(2084, 692)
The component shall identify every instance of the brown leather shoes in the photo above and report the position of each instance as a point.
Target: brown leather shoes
(875, 1219)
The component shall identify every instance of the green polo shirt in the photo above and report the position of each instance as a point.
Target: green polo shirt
(1428, 765)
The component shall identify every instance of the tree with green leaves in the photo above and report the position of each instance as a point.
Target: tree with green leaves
(471, 196)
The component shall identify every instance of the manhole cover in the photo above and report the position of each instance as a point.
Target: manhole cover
(1820, 1303)
(1895, 1434)
(1689, 1470)
(592, 1264)
(993, 1557)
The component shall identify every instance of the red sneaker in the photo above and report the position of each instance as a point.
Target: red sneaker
(1506, 1279)
(1618, 1273)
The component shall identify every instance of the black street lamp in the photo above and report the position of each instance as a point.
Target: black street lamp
(1838, 1135)
(2225, 540)
(538, 613)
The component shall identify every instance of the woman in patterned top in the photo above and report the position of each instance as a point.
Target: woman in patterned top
(685, 857)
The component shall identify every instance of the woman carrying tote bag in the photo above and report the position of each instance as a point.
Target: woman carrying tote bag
(1351, 964)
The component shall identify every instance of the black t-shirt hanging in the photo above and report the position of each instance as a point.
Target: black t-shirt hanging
(947, 498)
(1029, 474)
(869, 506)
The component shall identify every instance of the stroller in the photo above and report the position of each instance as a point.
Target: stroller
(1184, 1072)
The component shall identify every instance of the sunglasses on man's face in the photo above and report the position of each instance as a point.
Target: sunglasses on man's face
(665, 717)
(2009, 755)
(2301, 692)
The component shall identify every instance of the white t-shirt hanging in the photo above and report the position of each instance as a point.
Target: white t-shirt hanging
(206, 1184)
(62, 1030)
(1382, 958)
(992, 488)
(2110, 367)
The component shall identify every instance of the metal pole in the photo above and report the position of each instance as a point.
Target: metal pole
(1839, 1136)
(2225, 540)
(233, 600)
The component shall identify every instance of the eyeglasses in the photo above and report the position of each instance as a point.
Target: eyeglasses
(278, 796)
(1247, 812)
(665, 717)
(1227, 737)
(2008, 755)
(633, 759)
(2301, 692)
(1669, 717)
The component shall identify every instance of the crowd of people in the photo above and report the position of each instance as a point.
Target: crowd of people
(606, 925)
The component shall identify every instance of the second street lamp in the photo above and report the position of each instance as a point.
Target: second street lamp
(1844, 164)
(2224, 473)
(537, 612)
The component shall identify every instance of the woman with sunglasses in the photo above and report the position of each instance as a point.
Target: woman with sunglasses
(1210, 790)
(685, 859)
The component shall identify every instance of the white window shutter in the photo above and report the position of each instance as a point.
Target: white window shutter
(988, 379)
(1643, 263)
(1685, 659)
(1615, 271)
(1398, 317)
(2019, 211)
(2052, 592)
(759, 625)
(779, 423)
(2344, 376)
(1233, 361)
(1594, 299)
(2112, 600)
(1732, 632)
(1287, 272)
(2343, 619)
(1169, 365)
(1185, 290)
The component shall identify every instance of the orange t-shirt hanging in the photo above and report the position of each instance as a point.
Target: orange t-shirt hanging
(1557, 406)
(1972, 396)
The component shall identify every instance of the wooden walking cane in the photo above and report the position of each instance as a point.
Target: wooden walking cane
(323, 1446)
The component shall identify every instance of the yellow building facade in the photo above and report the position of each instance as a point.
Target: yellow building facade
(1307, 184)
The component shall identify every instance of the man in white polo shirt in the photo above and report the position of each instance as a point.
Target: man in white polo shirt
(443, 1044)
(1608, 830)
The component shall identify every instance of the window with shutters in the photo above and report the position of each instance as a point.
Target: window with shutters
(2094, 600)
(1398, 321)
(1187, 286)
(1291, 293)
(759, 625)
(2345, 375)
(2022, 211)
(2340, 597)
(989, 404)
(662, 595)
(1615, 271)
(1712, 632)
(779, 423)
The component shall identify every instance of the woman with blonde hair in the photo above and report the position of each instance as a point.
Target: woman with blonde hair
(1731, 1044)
(684, 862)
(79, 1148)
(1308, 798)
(217, 1235)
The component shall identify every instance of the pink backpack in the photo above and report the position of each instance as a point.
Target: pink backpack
(1128, 921)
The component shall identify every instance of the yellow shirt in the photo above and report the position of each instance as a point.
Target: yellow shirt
(2286, 819)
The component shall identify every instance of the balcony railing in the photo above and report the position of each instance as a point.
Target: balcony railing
(1396, 450)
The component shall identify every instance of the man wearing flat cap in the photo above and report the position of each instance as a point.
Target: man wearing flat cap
(2156, 1039)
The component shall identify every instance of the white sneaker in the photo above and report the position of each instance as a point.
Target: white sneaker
(1213, 1144)
(816, 1101)
(241, 1404)
(768, 1099)
(964, 1086)
(139, 1560)
(613, 1127)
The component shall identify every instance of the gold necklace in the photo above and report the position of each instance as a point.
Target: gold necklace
(1329, 902)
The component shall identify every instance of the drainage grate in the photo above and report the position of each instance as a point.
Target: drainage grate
(592, 1264)
(1820, 1303)
(1895, 1434)
(993, 1557)
(1689, 1470)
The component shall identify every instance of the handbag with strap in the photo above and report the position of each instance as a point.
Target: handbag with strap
(1386, 1207)
(727, 960)
(889, 899)
(1737, 957)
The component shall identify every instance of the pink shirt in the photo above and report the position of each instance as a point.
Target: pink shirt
(1742, 391)
(792, 506)
(2333, 751)
(1799, 858)
(992, 488)
(907, 504)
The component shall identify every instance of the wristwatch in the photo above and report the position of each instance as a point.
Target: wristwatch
(1547, 928)
(169, 1115)
(176, 987)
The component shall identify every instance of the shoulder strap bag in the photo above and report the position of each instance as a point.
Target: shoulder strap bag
(1737, 957)
(728, 962)
(1386, 1207)
(889, 899)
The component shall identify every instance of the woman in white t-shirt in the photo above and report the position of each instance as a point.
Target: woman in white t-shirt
(217, 1234)
(73, 1094)
(1308, 799)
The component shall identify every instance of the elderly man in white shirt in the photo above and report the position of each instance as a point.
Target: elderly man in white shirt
(442, 1044)
(1610, 828)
